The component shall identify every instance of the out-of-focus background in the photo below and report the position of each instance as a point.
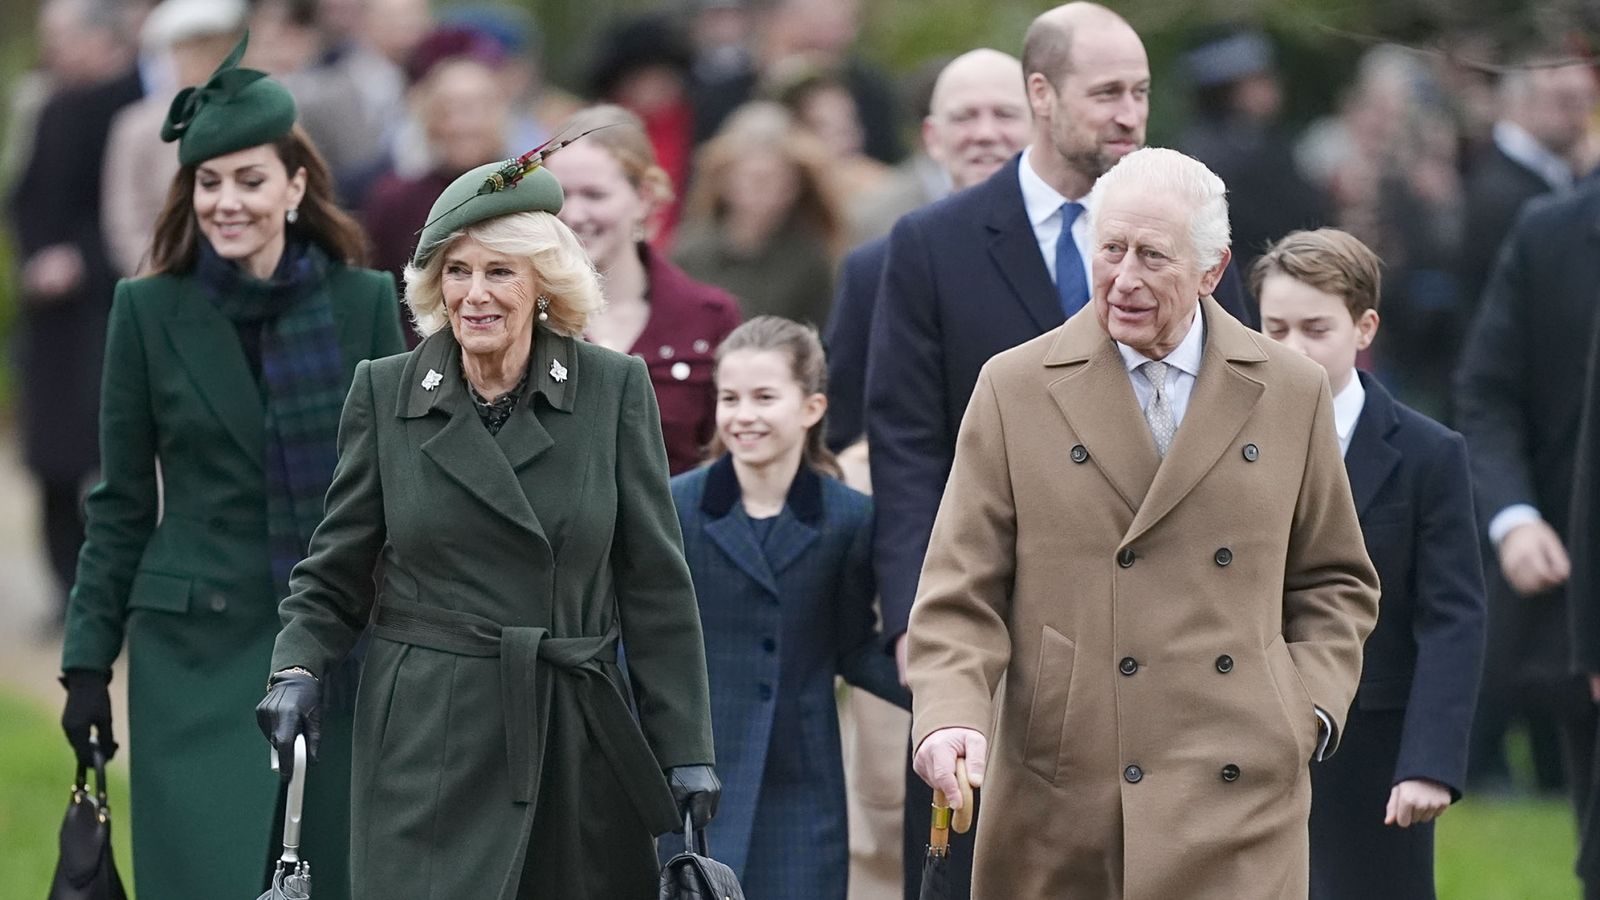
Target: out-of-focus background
(1375, 115)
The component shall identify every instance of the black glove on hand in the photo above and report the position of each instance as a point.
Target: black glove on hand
(88, 703)
(293, 706)
(696, 791)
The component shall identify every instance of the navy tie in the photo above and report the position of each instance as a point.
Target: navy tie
(1071, 282)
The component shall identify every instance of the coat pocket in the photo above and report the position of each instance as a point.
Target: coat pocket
(163, 593)
(1298, 708)
(1047, 714)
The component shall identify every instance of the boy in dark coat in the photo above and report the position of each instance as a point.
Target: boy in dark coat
(1403, 757)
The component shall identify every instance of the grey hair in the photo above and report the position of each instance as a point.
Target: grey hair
(565, 274)
(1171, 172)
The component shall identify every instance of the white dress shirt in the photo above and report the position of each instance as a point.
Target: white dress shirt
(1185, 368)
(1347, 406)
(1514, 141)
(1043, 206)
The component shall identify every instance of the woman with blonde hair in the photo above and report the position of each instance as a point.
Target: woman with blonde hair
(763, 218)
(512, 480)
(615, 196)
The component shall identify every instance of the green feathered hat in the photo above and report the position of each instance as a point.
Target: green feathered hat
(496, 189)
(235, 109)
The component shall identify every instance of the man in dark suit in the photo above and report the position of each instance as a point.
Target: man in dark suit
(1518, 396)
(983, 271)
(1404, 757)
(977, 119)
(1583, 542)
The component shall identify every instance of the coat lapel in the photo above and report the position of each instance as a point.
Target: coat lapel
(795, 530)
(208, 345)
(461, 446)
(1098, 401)
(1222, 401)
(1015, 248)
(1371, 459)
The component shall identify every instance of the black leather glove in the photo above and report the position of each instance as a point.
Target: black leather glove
(88, 703)
(293, 706)
(697, 791)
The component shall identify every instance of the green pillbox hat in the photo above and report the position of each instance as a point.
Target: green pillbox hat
(235, 109)
(491, 190)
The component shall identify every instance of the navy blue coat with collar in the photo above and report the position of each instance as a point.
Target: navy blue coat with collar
(780, 621)
(963, 281)
(1413, 493)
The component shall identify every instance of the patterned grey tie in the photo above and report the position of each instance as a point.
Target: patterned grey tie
(1159, 413)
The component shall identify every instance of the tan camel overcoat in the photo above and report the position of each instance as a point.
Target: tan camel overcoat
(1167, 629)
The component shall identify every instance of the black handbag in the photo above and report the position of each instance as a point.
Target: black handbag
(694, 875)
(86, 870)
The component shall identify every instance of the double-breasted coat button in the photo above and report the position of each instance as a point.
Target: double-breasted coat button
(1128, 666)
(1126, 557)
(702, 345)
(1251, 453)
(1224, 664)
(680, 370)
(1133, 774)
(1079, 453)
(1230, 772)
(219, 603)
(667, 352)
(765, 691)
(769, 645)
(1223, 556)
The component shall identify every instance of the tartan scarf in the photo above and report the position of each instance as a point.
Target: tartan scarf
(302, 380)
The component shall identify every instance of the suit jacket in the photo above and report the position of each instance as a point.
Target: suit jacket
(1413, 492)
(493, 716)
(963, 281)
(781, 620)
(1583, 536)
(1496, 190)
(1518, 389)
(849, 329)
(1166, 628)
(191, 595)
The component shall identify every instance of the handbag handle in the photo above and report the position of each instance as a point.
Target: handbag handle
(80, 783)
(694, 839)
(294, 804)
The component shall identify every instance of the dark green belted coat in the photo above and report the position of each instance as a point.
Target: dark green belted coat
(495, 752)
(182, 429)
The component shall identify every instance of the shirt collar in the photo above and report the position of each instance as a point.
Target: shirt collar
(1347, 406)
(1185, 357)
(1514, 141)
(1039, 199)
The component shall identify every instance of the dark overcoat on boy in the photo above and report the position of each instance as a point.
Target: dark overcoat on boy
(1419, 676)
(783, 616)
(192, 595)
(495, 754)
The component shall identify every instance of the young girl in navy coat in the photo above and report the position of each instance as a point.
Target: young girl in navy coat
(780, 551)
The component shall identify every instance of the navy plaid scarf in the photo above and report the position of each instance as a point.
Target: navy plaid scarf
(302, 377)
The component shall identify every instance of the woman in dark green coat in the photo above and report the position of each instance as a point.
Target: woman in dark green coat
(512, 481)
(224, 375)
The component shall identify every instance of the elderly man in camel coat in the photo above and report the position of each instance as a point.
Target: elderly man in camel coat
(1162, 561)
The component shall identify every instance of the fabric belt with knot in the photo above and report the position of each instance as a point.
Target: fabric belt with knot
(534, 665)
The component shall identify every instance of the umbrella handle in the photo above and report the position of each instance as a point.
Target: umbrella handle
(961, 820)
(944, 818)
(295, 802)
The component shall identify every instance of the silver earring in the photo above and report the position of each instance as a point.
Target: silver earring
(544, 308)
(292, 216)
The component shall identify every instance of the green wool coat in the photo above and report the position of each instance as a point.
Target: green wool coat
(495, 752)
(189, 591)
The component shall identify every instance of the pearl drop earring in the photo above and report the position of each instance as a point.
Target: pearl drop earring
(544, 308)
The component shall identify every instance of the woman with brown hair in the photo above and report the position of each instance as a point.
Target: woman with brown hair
(615, 197)
(224, 376)
(763, 219)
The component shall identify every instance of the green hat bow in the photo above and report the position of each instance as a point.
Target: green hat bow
(235, 108)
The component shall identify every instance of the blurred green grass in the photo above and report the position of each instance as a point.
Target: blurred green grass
(1488, 849)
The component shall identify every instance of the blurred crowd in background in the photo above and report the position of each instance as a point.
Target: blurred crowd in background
(785, 145)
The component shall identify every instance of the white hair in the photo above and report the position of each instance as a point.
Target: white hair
(1170, 172)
